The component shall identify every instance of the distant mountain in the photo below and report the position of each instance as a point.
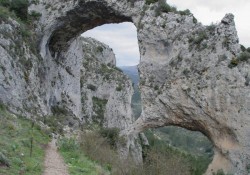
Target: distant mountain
(133, 74)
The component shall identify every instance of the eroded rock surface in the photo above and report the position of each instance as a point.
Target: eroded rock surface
(190, 74)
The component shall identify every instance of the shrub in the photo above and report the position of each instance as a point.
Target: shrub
(99, 49)
(20, 7)
(243, 49)
(148, 2)
(111, 134)
(2, 106)
(5, 13)
(248, 49)
(99, 106)
(4, 161)
(5, 3)
(244, 56)
(233, 63)
(248, 168)
(56, 122)
(156, 88)
(97, 148)
(195, 20)
(163, 6)
(165, 162)
(65, 144)
(211, 28)
(91, 87)
(35, 15)
(185, 12)
(56, 110)
(119, 87)
(201, 36)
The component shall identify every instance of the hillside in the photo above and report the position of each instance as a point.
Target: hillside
(22, 145)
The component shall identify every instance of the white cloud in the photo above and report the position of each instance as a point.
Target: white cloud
(122, 38)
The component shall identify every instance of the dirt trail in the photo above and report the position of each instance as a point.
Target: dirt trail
(54, 164)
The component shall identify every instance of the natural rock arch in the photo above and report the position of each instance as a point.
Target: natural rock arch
(185, 77)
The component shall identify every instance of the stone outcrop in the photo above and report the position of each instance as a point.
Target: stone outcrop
(105, 91)
(190, 74)
(187, 80)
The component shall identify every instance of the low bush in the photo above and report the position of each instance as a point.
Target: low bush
(99, 49)
(243, 49)
(98, 148)
(20, 7)
(119, 87)
(99, 107)
(5, 13)
(111, 134)
(185, 12)
(248, 49)
(35, 15)
(244, 56)
(148, 2)
(4, 161)
(163, 6)
(91, 87)
(2, 107)
(65, 144)
(201, 36)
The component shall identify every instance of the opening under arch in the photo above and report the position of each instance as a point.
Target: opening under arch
(177, 151)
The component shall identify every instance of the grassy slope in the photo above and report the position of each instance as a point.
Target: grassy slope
(76, 160)
(15, 134)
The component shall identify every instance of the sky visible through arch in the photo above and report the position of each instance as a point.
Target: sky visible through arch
(122, 38)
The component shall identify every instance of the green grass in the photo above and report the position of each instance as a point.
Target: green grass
(15, 135)
(76, 160)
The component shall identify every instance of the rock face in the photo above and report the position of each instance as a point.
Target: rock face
(81, 86)
(187, 80)
(190, 74)
(106, 92)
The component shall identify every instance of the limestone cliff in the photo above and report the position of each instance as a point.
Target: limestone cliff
(192, 76)
(106, 92)
(189, 79)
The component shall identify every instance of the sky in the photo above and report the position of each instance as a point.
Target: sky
(122, 38)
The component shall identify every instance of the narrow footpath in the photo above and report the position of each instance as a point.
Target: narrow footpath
(54, 164)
